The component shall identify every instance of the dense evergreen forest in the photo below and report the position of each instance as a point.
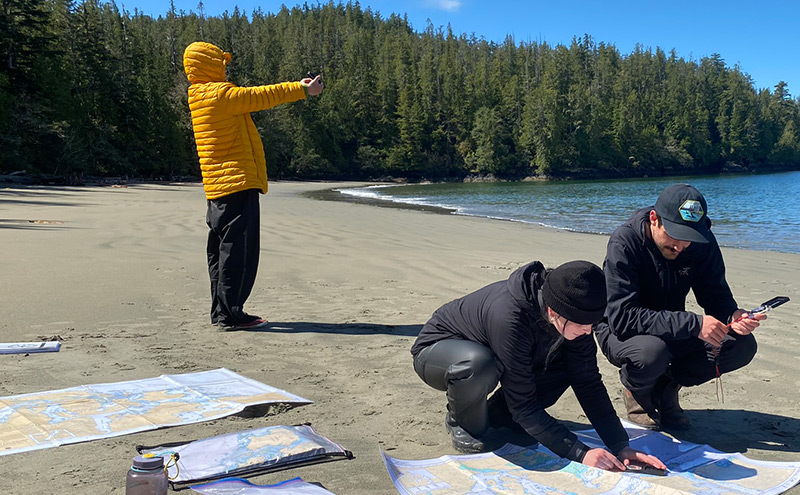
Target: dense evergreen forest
(88, 88)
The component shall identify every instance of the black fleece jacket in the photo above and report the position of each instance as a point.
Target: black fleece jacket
(647, 292)
(506, 317)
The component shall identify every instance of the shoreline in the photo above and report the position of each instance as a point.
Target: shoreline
(332, 194)
(121, 281)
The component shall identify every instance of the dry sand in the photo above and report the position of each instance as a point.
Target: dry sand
(119, 275)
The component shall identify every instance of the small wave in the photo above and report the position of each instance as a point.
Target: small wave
(364, 192)
(368, 193)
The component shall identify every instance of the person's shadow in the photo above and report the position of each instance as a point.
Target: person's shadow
(733, 430)
(737, 430)
(339, 328)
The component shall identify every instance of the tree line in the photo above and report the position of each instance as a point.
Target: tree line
(86, 87)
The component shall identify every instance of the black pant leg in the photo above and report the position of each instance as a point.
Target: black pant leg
(694, 361)
(212, 254)
(642, 360)
(251, 246)
(234, 224)
(468, 371)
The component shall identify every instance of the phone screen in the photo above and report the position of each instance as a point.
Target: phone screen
(768, 305)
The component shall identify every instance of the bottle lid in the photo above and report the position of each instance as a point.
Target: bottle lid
(148, 463)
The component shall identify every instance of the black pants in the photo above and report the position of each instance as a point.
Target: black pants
(233, 248)
(469, 372)
(644, 359)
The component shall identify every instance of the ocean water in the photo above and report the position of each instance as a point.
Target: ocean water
(759, 212)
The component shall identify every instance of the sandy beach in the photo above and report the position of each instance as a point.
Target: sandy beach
(119, 276)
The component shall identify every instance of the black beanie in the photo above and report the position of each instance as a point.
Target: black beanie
(576, 291)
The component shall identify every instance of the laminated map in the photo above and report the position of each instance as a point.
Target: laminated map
(238, 486)
(248, 451)
(513, 470)
(89, 412)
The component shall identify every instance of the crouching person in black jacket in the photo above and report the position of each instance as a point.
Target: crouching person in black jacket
(652, 262)
(532, 334)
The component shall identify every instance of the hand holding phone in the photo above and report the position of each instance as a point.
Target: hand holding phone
(645, 469)
(312, 75)
(312, 84)
(747, 321)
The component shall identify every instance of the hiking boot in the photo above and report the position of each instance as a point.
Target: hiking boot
(672, 415)
(638, 415)
(462, 440)
(254, 324)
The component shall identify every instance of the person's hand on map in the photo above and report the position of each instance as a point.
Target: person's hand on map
(603, 459)
(629, 455)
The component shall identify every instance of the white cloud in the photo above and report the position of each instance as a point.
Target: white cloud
(448, 5)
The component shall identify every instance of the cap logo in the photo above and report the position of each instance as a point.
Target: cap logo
(691, 210)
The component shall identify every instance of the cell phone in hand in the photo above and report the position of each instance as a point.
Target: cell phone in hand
(768, 305)
(312, 75)
(646, 469)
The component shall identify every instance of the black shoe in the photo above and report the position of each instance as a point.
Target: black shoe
(462, 440)
(256, 324)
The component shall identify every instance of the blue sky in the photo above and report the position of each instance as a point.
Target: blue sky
(760, 36)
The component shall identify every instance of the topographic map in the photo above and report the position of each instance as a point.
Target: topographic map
(88, 412)
(249, 450)
(513, 470)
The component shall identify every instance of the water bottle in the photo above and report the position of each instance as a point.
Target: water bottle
(146, 477)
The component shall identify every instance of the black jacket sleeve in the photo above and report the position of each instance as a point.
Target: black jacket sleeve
(580, 356)
(626, 315)
(710, 287)
(513, 348)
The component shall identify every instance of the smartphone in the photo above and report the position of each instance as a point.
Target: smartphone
(768, 305)
(646, 469)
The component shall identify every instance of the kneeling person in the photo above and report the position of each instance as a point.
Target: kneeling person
(652, 262)
(532, 334)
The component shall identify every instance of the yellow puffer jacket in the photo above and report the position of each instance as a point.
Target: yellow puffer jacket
(228, 145)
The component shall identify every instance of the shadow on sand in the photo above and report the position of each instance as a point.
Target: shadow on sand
(737, 430)
(733, 430)
(340, 328)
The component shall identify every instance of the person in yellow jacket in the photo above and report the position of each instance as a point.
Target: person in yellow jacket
(234, 174)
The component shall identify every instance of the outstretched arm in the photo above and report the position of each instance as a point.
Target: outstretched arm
(240, 100)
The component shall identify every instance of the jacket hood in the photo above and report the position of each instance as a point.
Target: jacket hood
(204, 62)
(525, 283)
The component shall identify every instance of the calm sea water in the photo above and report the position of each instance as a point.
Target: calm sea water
(760, 212)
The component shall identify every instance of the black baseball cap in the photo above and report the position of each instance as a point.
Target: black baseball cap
(684, 212)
